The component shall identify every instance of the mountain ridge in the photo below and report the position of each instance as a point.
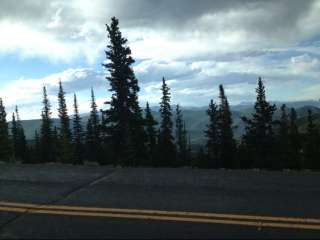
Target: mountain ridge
(196, 118)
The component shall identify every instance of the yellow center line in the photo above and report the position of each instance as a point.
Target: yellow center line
(158, 212)
(213, 218)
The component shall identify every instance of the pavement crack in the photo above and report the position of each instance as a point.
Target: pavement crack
(83, 186)
(65, 196)
(11, 220)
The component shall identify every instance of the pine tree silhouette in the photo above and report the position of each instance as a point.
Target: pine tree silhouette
(212, 137)
(181, 138)
(123, 120)
(283, 141)
(14, 137)
(166, 148)
(65, 147)
(77, 134)
(93, 138)
(227, 145)
(47, 145)
(20, 150)
(151, 135)
(55, 141)
(36, 151)
(295, 145)
(312, 146)
(259, 137)
(5, 143)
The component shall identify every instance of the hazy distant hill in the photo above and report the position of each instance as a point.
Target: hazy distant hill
(196, 118)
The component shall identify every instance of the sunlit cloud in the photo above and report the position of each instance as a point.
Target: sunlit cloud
(195, 45)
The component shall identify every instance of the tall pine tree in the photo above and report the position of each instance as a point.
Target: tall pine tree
(123, 120)
(181, 138)
(259, 137)
(212, 137)
(36, 150)
(294, 141)
(166, 146)
(20, 150)
(93, 138)
(47, 144)
(14, 137)
(55, 140)
(312, 146)
(77, 134)
(283, 141)
(151, 134)
(65, 147)
(227, 145)
(5, 143)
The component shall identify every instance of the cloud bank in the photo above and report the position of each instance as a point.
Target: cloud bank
(196, 45)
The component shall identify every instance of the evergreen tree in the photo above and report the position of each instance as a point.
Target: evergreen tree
(189, 147)
(212, 137)
(294, 142)
(151, 133)
(181, 138)
(18, 138)
(65, 147)
(46, 139)
(259, 138)
(283, 140)
(23, 148)
(77, 134)
(166, 148)
(200, 160)
(55, 140)
(36, 152)
(5, 143)
(14, 134)
(94, 116)
(123, 120)
(245, 154)
(312, 146)
(139, 154)
(227, 145)
(93, 139)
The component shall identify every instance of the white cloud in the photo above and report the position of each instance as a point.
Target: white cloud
(27, 93)
(63, 31)
(201, 79)
(304, 64)
(310, 93)
(55, 20)
(30, 43)
(203, 92)
(154, 70)
(196, 46)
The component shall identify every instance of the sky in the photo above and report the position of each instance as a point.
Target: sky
(195, 45)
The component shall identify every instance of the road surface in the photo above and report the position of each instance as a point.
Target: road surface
(56, 201)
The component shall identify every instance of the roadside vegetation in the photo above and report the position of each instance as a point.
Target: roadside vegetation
(126, 134)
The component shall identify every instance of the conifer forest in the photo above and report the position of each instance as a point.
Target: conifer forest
(124, 133)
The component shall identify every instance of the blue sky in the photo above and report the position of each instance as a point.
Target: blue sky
(196, 45)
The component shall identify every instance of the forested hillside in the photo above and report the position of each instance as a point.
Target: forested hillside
(196, 119)
(263, 134)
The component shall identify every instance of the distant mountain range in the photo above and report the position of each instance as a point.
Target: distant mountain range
(196, 118)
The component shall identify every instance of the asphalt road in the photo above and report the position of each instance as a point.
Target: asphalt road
(238, 192)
